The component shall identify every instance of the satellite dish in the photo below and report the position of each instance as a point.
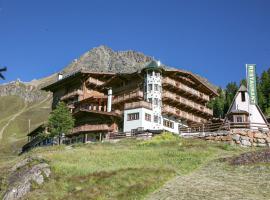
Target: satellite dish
(2, 70)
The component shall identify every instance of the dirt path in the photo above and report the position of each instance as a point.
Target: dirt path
(218, 181)
(13, 117)
(24, 109)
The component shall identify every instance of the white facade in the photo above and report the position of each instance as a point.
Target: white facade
(153, 94)
(137, 119)
(139, 123)
(241, 103)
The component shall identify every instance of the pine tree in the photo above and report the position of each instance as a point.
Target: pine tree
(230, 91)
(60, 120)
(217, 104)
(265, 89)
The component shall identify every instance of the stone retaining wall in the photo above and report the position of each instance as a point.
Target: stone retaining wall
(243, 137)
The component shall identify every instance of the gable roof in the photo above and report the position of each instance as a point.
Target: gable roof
(244, 89)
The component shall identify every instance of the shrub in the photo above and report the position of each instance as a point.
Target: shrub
(165, 137)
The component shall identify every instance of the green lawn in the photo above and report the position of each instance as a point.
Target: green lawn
(128, 169)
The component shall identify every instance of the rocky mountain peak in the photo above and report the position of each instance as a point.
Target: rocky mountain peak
(104, 59)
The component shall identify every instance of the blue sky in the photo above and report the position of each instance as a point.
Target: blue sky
(213, 38)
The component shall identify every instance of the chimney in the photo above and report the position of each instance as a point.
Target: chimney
(109, 103)
(60, 76)
(158, 63)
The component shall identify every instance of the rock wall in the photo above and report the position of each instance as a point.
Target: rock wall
(243, 137)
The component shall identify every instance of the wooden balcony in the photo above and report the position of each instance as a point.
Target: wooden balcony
(176, 99)
(92, 128)
(184, 88)
(72, 94)
(132, 96)
(169, 110)
(139, 104)
(128, 87)
(94, 81)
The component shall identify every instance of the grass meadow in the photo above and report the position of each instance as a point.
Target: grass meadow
(129, 169)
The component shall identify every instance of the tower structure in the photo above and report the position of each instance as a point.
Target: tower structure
(153, 91)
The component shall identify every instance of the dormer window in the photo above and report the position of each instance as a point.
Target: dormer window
(243, 96)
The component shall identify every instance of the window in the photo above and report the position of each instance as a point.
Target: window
(168, 123)
(156, 101)
(147, 117)
(156, 87)
(150, 87)
(239, 119)
(155, 118)
(145, 88)
(243, 96)
(133, 116)
(157, 74)
(150, 100)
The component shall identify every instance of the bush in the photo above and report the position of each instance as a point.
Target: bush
(165, 137)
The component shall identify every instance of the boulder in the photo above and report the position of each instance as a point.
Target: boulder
(260, 135)
(245, 142)
(226, 138)
(242, 132)
(261, 141)
(267, 139)
(236, 137)
(25, 173)
(245, 138)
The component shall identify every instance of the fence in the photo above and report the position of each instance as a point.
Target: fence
(212, 127)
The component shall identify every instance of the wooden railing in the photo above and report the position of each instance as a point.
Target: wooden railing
(139, 104)
(72, 94)
(212, 127)
(187, 102)
(185, 88)
(91, 128)
(127, 87)
(94, 81)
(166, 109)
(126, 97)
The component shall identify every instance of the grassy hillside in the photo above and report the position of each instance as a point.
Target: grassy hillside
(163, 168)
(14, 116)
(126, 170)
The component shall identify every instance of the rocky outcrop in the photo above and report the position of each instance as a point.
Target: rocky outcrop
(28, 92)
(24, 175)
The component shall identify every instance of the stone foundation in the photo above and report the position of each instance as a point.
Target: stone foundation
(243, 137)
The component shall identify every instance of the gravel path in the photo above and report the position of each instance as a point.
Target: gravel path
(219, 182)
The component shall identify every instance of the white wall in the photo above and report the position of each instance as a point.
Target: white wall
(175, 127)
(255, 115)
(141, 122)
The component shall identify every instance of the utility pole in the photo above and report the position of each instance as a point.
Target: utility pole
(29, 125)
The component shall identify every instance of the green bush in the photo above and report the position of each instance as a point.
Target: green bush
(165, 137)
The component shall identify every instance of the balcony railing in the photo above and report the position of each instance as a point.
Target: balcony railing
(182, 114)
(127, 87)
(72, 94)
(91, 128)
(185, 88)
(126, 97)
(94, 81)
(187, 102)
(139, 104)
